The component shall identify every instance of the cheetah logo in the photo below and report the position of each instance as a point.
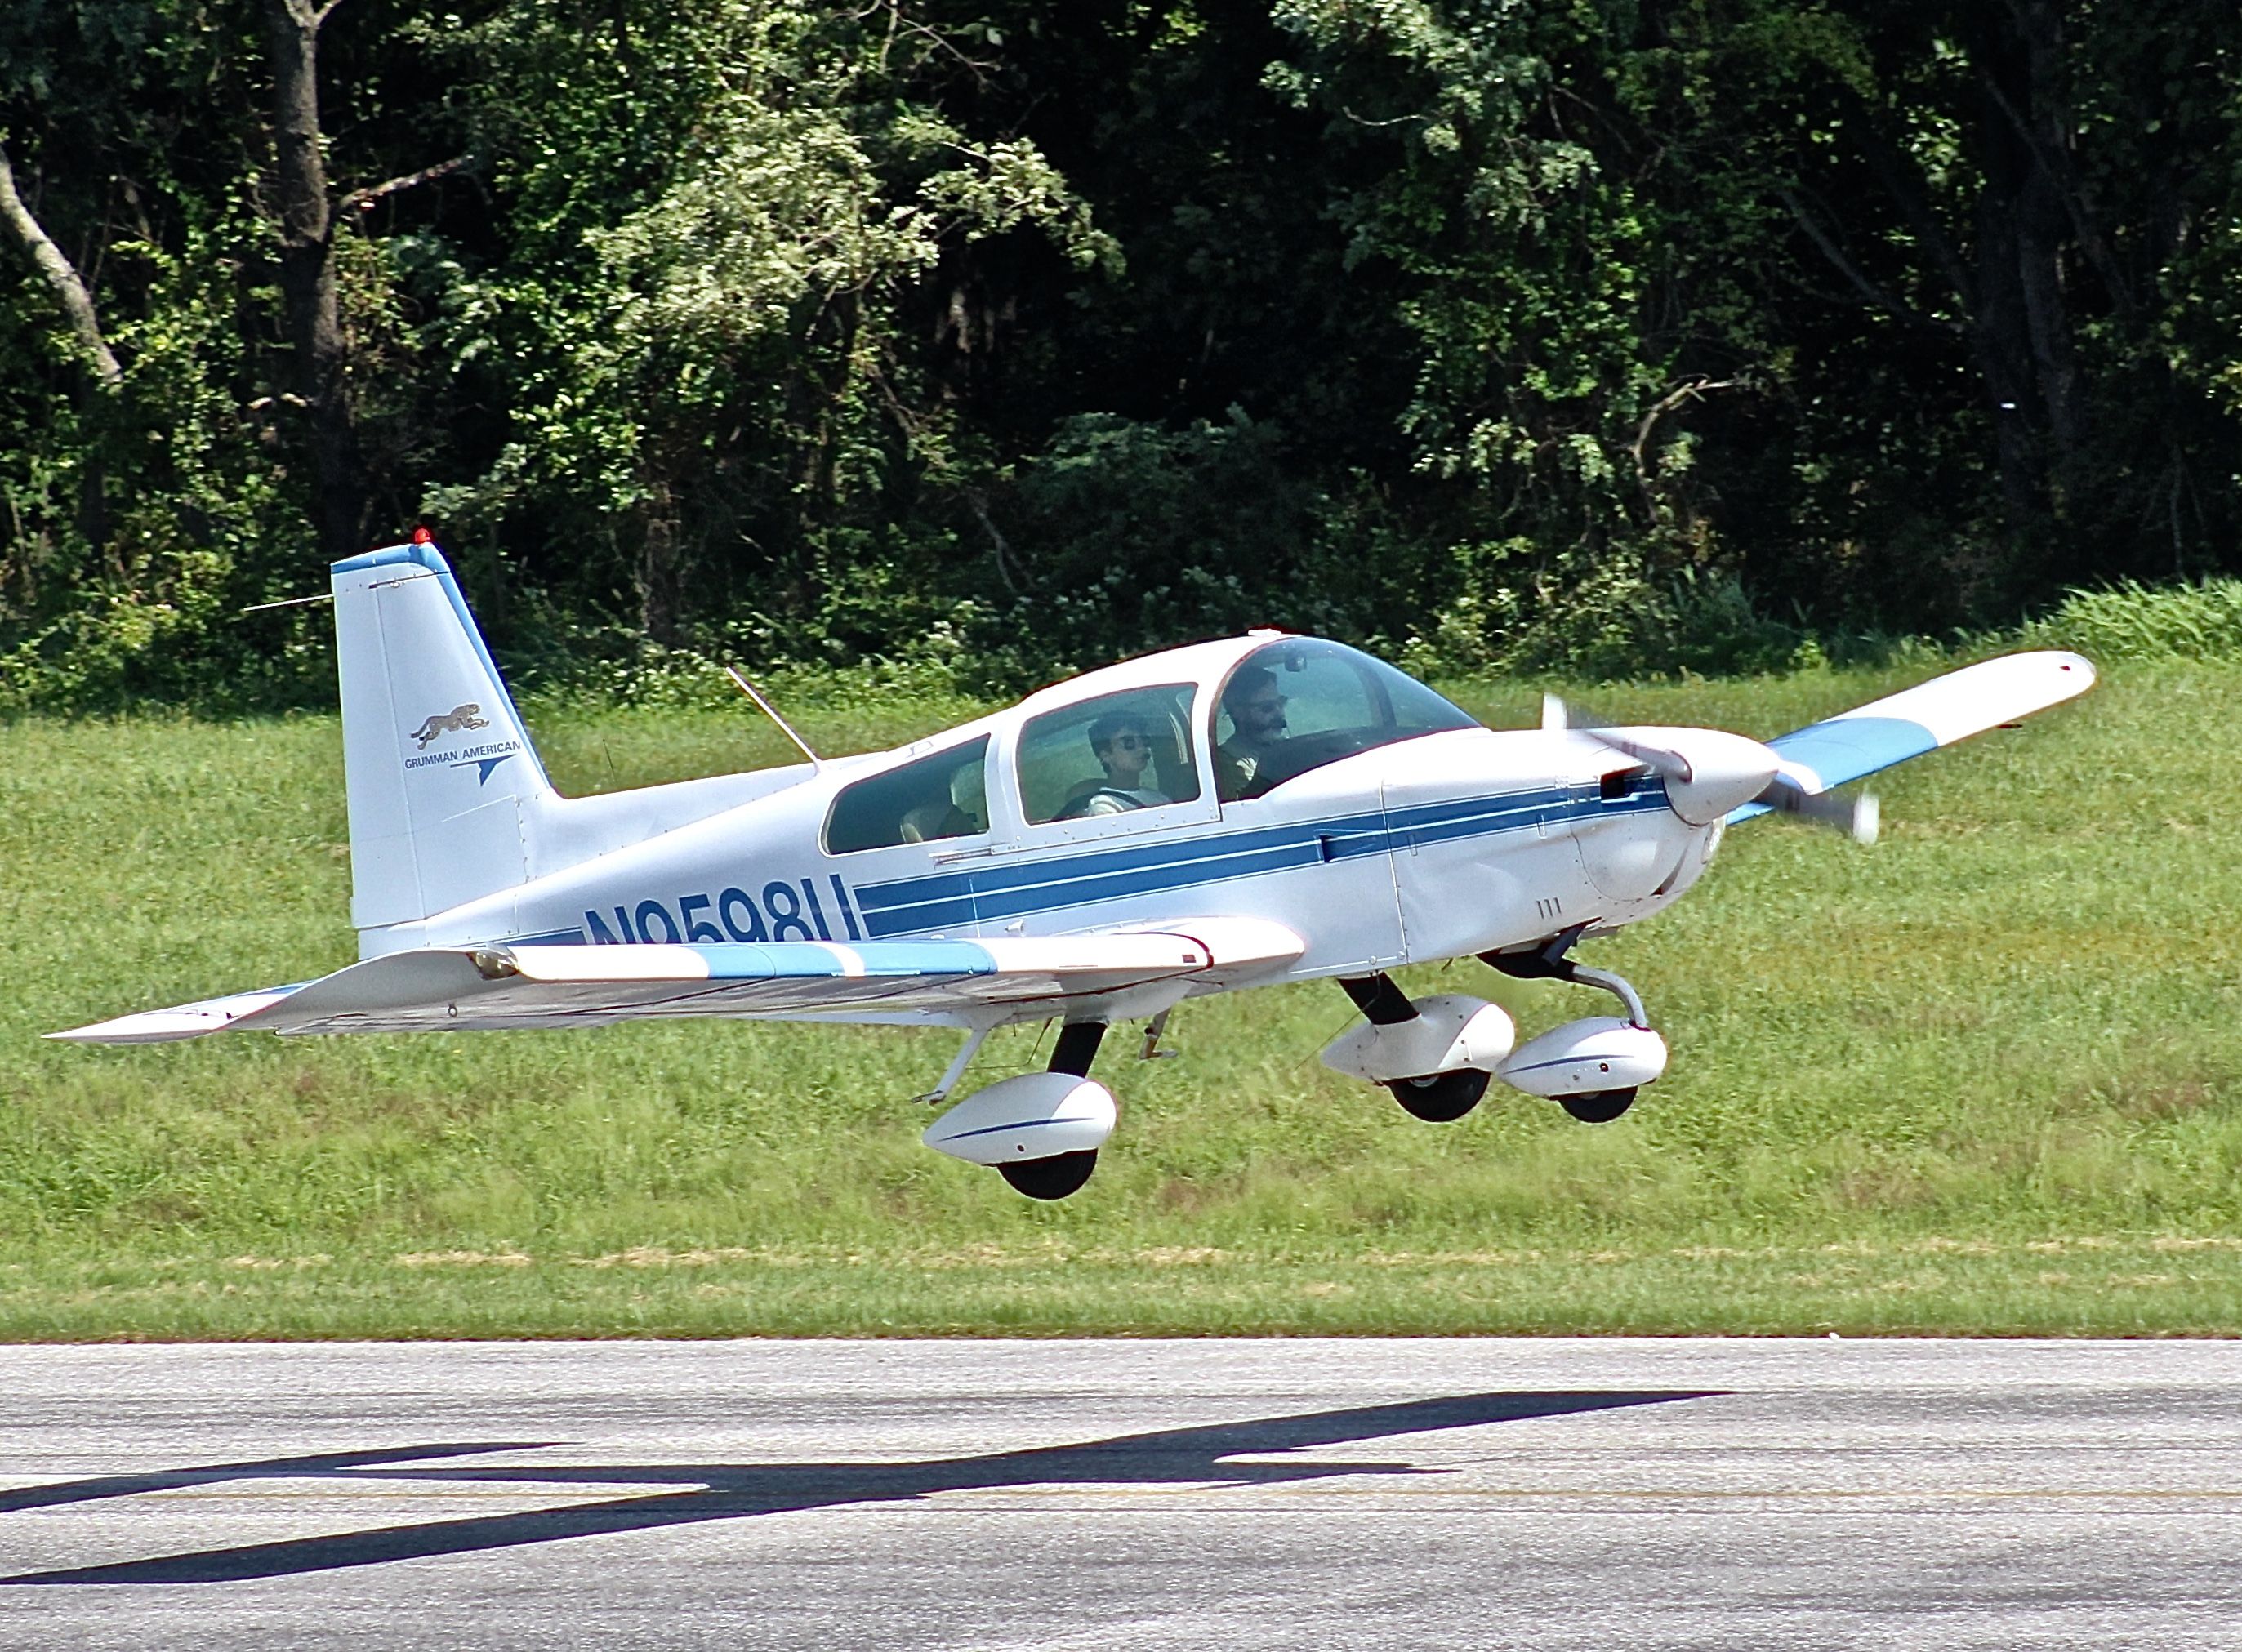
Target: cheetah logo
(458, 718)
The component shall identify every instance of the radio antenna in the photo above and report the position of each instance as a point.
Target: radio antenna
(771, 711)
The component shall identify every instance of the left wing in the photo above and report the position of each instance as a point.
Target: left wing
(1858, 742)
(907, 982)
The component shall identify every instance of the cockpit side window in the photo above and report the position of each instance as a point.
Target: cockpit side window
(1296, 705)
(1109, 756)
(945, 794)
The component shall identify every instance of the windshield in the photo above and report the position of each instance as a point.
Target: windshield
(1298, 704)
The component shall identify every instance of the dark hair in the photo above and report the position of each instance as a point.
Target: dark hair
(1118, 722)
(1250, 679)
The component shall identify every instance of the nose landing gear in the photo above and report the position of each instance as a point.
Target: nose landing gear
(1549, 962)
(1599, 1107)
(1592, 1069)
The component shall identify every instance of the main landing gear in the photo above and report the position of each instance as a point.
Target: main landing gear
(1436, 1055)
(1436, 1097)
(1039, 1130)
(1061, 1173)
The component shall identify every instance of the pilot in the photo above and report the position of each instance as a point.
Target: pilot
(1256, 706)
(1123, 750)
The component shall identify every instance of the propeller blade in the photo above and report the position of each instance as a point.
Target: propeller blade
(1859, 817)
(1672, 765)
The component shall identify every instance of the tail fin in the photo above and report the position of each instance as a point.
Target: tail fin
(445, 787)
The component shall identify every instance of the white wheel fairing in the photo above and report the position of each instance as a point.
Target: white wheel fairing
(1451, 1032)
(1602, 1052)
(1037, 1115)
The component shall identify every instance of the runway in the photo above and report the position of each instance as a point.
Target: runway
(1298, 1494)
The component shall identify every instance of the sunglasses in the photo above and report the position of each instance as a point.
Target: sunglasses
(1130, 742)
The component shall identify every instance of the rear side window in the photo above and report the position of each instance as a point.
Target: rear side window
(943, 795)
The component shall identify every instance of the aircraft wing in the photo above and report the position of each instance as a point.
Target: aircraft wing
(910, 983)
(1826, 754)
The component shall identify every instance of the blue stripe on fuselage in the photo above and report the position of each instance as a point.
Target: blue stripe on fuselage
(988, 892)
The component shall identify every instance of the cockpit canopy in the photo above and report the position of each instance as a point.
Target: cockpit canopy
(1299, 703)
(1089, 748)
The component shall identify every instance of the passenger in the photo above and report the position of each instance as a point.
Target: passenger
(937, 815)
(1123, 750)
(1256, 706)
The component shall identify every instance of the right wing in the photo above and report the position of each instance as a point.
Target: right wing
(910, 983)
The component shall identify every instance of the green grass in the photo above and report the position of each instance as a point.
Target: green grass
(1985, 1078)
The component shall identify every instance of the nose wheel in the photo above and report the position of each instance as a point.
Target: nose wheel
(1598, 1106)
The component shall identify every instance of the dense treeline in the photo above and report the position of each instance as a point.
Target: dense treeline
(1019, 335)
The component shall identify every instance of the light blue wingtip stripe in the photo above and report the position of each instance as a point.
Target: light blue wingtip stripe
(1846, 749)
(745, 961)
(925, 957)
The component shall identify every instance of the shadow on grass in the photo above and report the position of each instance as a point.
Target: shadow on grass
(714, 1492)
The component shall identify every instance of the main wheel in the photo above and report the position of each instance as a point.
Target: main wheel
(1598, 1106)
(1436, 1097)
(1053, 1178)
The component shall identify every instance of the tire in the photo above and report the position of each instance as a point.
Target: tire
(1053, 1178)
(1598, 1106)
(1441, 1097)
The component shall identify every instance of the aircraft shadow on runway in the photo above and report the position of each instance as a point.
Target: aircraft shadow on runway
(712, 1492)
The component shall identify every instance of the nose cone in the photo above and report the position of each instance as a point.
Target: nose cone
(1726, 771)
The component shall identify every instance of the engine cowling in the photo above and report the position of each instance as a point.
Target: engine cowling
(1037, 1115)
(1603, 1052)
(1451, 1031)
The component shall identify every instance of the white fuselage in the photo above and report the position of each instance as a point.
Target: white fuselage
(1447, 845)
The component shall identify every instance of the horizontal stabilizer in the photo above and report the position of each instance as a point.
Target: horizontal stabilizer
(911, 982)
(181, 1020)
(1855, 743)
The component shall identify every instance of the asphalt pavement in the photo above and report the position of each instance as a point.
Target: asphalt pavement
(1128, 1494)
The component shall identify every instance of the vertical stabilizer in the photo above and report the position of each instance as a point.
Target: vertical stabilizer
(445, 787)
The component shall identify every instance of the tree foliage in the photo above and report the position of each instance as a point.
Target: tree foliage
(1496, 331)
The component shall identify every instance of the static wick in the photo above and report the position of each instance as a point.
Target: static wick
(771, 711)
(289, 602)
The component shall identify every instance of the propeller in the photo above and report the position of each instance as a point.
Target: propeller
(1859, 817)
(1708, 773)
(1669, 765)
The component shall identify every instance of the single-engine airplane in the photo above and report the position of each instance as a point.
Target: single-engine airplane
(1234, 813)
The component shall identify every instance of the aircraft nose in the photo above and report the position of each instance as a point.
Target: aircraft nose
(1726, 771)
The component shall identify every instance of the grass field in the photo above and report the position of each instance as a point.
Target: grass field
(1985, 1077)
